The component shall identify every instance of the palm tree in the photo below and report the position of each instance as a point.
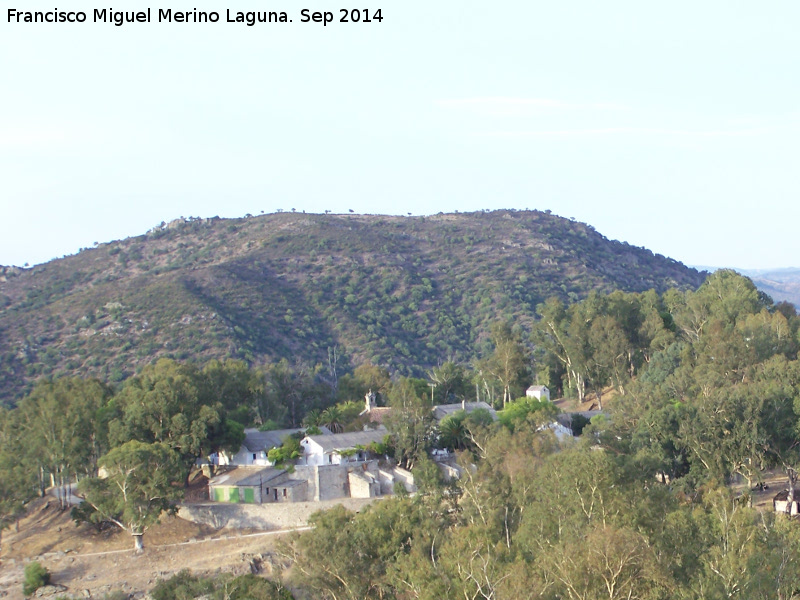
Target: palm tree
(453, 432)
(331, 418)
(313, 418)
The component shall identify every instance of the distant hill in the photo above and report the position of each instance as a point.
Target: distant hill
(780, 284)
(403, 292)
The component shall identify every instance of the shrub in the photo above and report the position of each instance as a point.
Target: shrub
(181, 586)
(36, 576)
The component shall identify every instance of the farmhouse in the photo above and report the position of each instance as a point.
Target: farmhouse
(256, 446)
(339, 448)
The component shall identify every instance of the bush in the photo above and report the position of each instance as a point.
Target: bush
(185, 586)
(578, 423)
(399, 489)
(182, 586)
(36, 576)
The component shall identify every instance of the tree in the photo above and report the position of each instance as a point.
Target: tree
(365, 377)
(331, 418)
(36, 576)
(562, 335)
(232, 383)
(166, 403)
(509, 362)
(449, 380)
(518, 412)
(60, 422)
(18, 473)
(142, 481)
(410, 423)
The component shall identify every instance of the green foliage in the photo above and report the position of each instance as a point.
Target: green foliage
(86, 513)
(399, 489)
(348, 556)
(61, 421)
(410, 422)
(524, 409)
(427, 476)
(142, 481)
(578, 422)
(456, 431)
(182, 586)
(36, 576)
(186, 586)
(290, 450)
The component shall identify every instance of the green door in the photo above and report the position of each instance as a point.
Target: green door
(219, 495)
(249, 496)
(234, 495)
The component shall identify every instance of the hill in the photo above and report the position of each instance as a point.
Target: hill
(780, 284)
(403, 292)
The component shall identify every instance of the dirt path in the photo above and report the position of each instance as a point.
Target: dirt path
(91, 564)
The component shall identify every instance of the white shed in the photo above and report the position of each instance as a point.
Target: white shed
(540, 392)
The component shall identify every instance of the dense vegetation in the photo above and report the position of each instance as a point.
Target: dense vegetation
(639, 507)
(403, 293)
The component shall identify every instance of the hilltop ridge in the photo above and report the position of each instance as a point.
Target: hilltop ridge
(403, 292)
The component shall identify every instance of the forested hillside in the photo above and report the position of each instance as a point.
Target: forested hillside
(403, 293)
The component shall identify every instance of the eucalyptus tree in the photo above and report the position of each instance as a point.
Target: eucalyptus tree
(60, 420)
(166, 403)
(140, 483)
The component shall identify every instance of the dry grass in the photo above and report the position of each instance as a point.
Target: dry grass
(87, 561)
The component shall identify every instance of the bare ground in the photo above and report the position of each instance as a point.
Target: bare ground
(91, 563)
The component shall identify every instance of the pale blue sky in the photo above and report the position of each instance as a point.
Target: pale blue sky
(668, 125)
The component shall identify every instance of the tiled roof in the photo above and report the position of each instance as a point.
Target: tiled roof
(378, 414)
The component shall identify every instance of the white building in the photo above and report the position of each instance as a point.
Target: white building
(540, 392)
(256, 446)
(339, 448)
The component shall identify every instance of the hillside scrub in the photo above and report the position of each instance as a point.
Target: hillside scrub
(406, 294)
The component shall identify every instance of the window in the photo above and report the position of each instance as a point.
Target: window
(284, 492)
(254, 456)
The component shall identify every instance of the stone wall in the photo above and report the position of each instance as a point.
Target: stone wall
(405, 477)
(363, 485)
(332, 482)
(309, 475)
(283, 515)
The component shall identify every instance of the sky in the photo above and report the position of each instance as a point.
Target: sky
(672, 126)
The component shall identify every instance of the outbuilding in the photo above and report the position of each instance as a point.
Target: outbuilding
(250, 485)
(781, 499)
